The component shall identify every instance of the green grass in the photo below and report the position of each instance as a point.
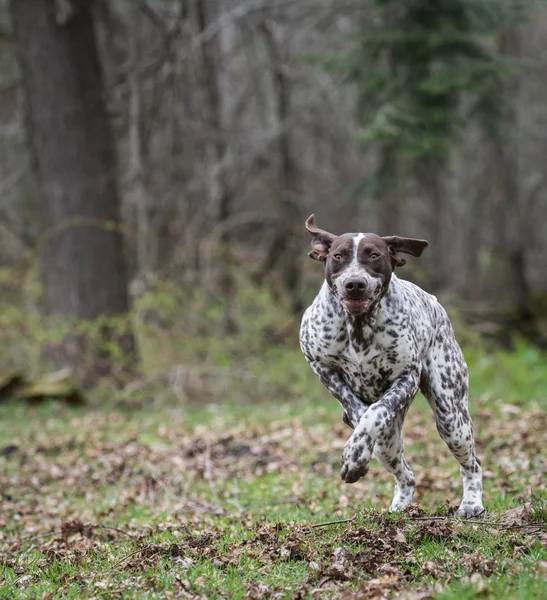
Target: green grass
(219, 501)
(203, 477)
(521, 586)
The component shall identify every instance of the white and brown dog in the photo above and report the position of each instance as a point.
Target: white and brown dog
(374, 340)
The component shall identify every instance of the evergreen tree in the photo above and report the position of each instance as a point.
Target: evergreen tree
(414, 63)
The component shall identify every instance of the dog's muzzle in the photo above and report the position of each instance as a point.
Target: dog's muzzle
(358, 295)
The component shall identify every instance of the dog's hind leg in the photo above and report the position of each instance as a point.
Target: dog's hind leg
(444, 383)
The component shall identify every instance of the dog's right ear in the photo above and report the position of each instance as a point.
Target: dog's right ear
(321, 242)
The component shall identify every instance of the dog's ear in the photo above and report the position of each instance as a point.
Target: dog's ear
(321, 242)
(400, 245)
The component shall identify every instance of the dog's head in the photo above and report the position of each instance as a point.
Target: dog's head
(358, 266)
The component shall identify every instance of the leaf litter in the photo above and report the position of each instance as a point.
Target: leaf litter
(209, 500)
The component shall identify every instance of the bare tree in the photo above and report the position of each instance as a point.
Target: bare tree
(220, 197)
(285, 245)
(136, 173)
(83, 266)
(510, 243)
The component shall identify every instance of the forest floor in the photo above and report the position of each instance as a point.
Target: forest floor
(166, 499)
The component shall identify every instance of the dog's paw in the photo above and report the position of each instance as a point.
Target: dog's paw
(468, 510)
(402, 498)
(352, 472)
(355, 461)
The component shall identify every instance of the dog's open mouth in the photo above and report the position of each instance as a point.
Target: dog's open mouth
(357, 307)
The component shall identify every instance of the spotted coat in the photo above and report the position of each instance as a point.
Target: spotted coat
(374, 340)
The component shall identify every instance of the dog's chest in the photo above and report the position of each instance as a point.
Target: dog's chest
(369, 361)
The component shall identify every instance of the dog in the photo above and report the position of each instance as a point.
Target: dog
(374, 340)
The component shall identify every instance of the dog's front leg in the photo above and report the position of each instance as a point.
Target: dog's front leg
(374, 423)
(354, 408)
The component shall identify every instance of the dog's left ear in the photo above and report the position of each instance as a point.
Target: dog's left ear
(400, 245)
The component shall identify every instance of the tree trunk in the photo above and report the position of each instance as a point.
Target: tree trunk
(220, 194)
(389, 214)
(430, 176)
(138, 192)
(510, 235)
(389, 210)
(288, 241)
(83, 267)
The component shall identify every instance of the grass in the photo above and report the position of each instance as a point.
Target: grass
(204, 478)
(218, 501)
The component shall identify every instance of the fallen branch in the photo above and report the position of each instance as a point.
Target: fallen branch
(327, 523)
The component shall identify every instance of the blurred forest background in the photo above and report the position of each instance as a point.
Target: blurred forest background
(159, 159)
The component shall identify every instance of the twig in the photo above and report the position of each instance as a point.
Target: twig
(235, 500)
(31, 538)
(498, 524)
(326, 523)
(272, 502)
(506, 525)
(170, 493)
(127, 556)
(109, 527)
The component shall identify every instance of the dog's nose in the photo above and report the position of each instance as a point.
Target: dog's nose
(355, 285)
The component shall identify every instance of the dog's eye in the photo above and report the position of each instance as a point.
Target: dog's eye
(337, 256)
(374, 256)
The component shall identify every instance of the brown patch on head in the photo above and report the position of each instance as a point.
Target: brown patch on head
(361, 263)
(358, 266)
